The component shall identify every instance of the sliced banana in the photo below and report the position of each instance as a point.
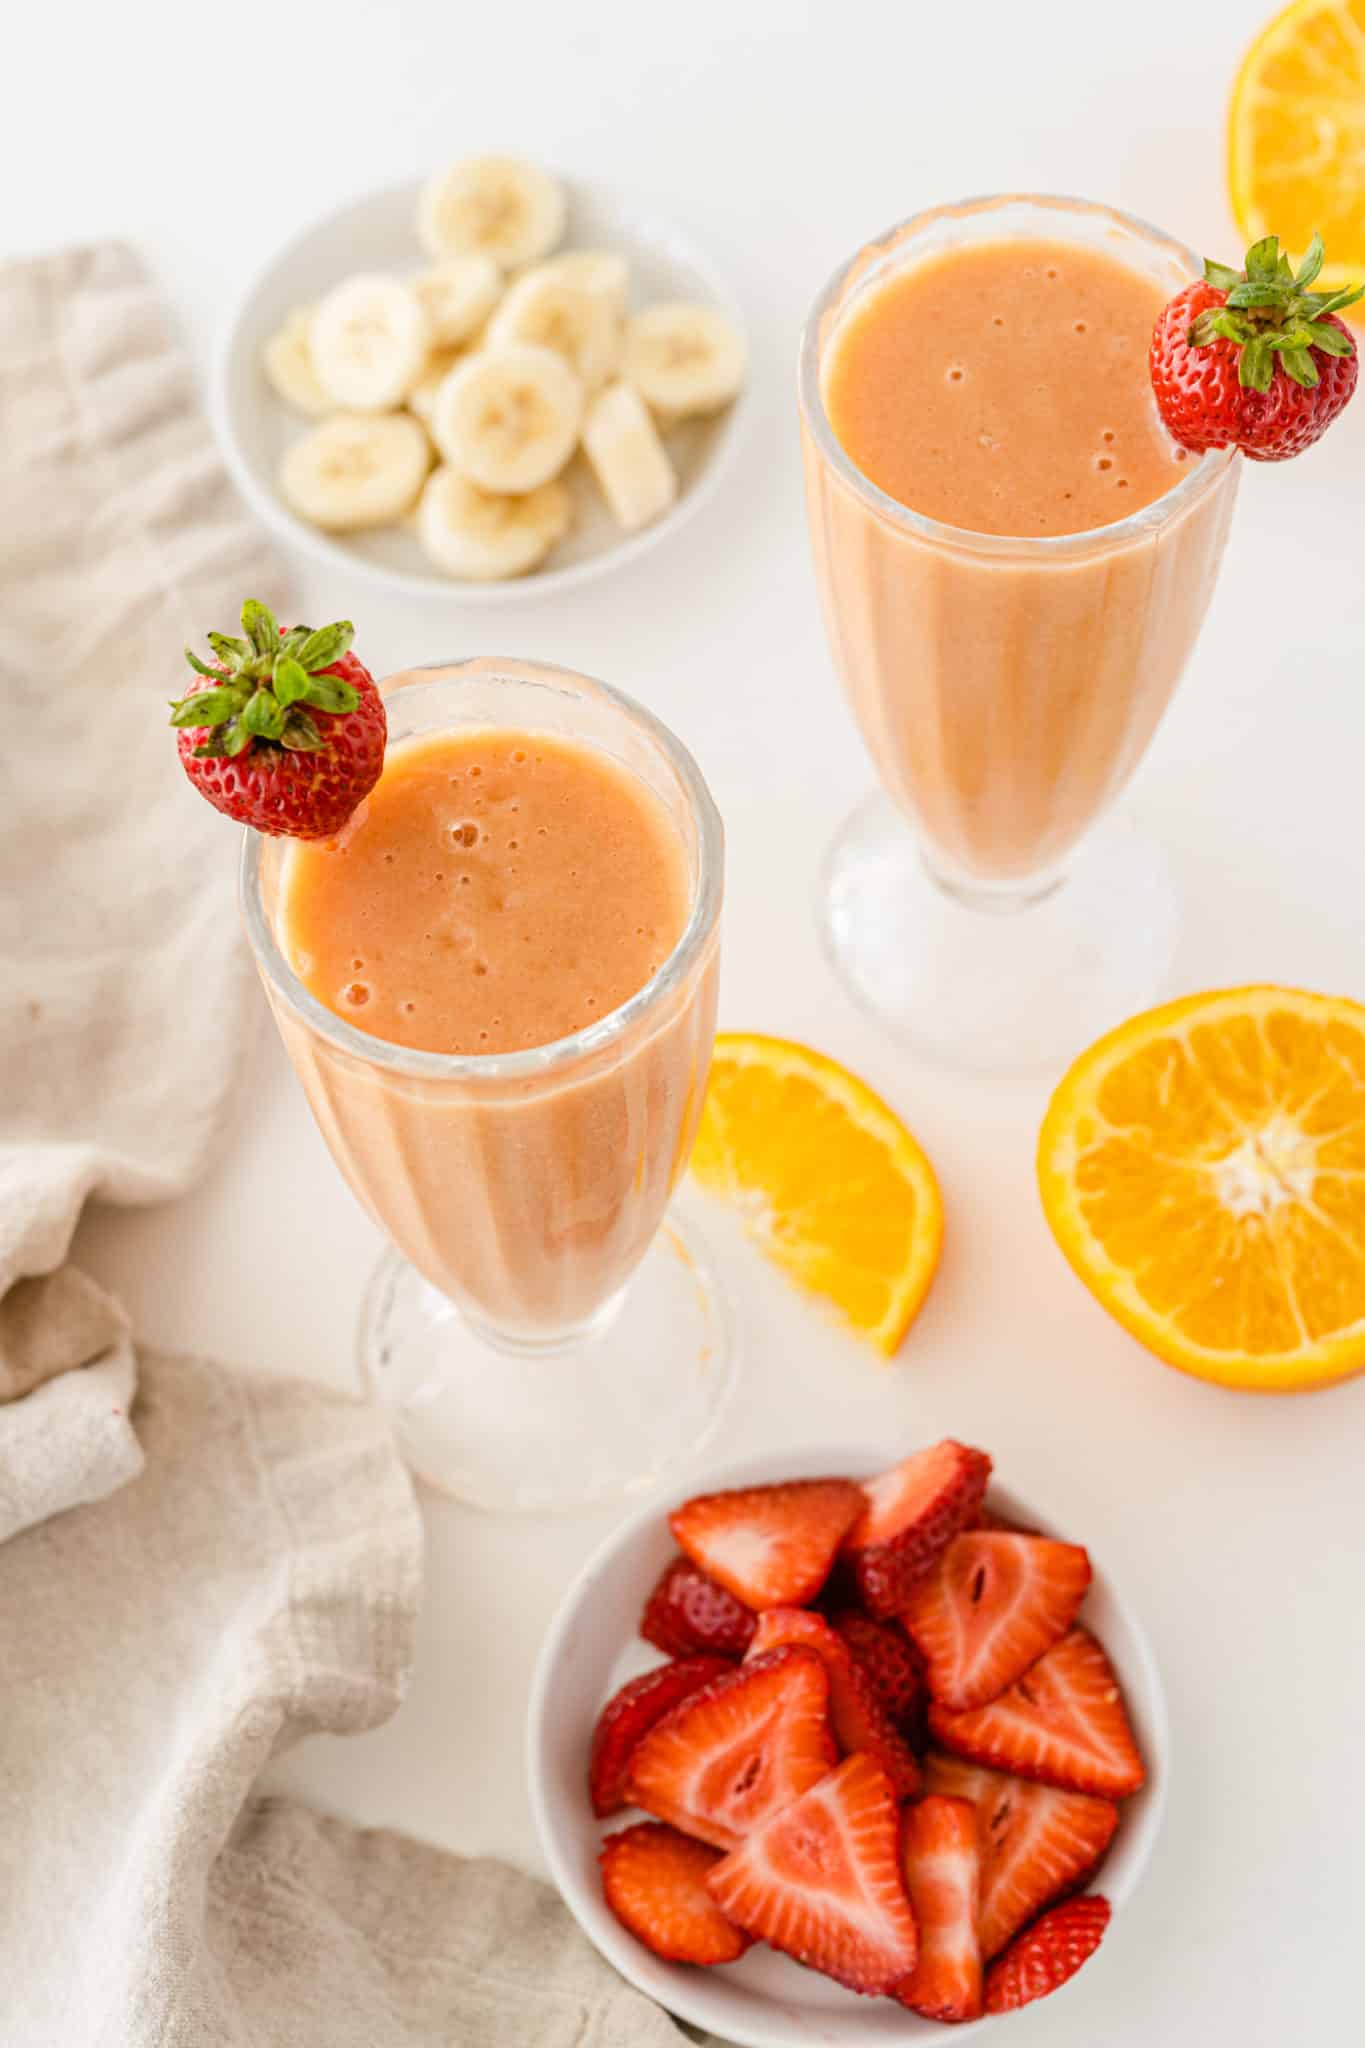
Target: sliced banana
(683, 359)
(356, 470)
(369, 340)
(553, 313)
(421, 398)
(508, 417)
(498, 206)
(288, 363)
(458, 296)
(485, 535)
(628, 459)
(599, 271)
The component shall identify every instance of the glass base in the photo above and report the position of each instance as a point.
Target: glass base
(996, 979)
(537, 1429)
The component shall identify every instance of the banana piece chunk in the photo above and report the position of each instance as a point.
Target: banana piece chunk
(483, 536)
(628, 459)
(356, 470)
(599, 271)
(369, 339)
(551, 312)
(507, 418)
(457, 296)
(683, 359)
(287, 360)
(498, 206)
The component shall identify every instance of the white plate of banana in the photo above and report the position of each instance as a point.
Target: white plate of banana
(497, 380)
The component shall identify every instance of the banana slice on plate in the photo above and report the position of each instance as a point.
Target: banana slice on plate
(458, 296)
(421, 399)
(356, 470)
(599, 271)
(498, 206)
(551, 312)
(683, 359)
(287, 360)
(483, 536)
(369, 339)
(628, 459)
(508, 417)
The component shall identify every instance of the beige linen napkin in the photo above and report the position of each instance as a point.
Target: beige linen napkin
(258, 1582)
(123, 994)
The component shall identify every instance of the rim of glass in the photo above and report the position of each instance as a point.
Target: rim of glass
(536, 1060)
(1200, 479)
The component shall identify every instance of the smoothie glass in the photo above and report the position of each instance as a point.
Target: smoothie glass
(541, 1334)
(1006, 689)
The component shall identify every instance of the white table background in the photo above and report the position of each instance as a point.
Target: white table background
(779, 136)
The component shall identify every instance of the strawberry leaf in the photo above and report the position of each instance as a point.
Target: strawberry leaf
(207, 707)
(1298, 364)
(327, 645)
(1255, 294)
(1330, 340)
(260, 626)
(1256, 365)
(300, 734)
(236, 739)
(291, 680)
(1312, 263)
(201, 668)
(263, 716)
(1335, 301)
(1220, 276)
(233, 652)
(1263, 260)
(330, 693)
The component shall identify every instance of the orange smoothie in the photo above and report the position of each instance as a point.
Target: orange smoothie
(501, 890)
(1010, 649)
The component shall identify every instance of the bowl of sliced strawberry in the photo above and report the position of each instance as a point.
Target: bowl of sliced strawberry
(880, 1723)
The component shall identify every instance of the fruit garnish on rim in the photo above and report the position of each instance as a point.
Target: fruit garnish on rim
(1255, 358)
(287, 731)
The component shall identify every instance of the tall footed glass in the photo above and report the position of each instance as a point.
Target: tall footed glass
(543, 1335)
(1006, 688)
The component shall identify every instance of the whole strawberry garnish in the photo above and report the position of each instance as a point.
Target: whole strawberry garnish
(287, 734)
(1253, 358)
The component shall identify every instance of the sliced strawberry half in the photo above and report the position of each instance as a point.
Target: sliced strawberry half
(910, 1514)
(822, 1881)
(655, 1883)
(942, 1860)
(739, 1750)
(688, 1614)
(1063, 1723)
(990, 1608)
(856, 1715)
(628, 1717)
(1035, 1840)
(771, 1546)
(1047, 1953)
(893, 1664)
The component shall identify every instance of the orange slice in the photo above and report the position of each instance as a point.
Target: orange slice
(1203, 1169)
(1296, 136)
(830, 1184)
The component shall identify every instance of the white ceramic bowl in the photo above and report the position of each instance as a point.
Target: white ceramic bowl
(766, 2001)
(377, 233)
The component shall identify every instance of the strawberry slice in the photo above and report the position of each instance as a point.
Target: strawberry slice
(688, 1613)
(942, 1862)
(856, 1715)
(992, 1606)
(655, 1883)
(1063, 1723)
(771, 1546)
(1047, 1953)
(910, 1514)
(628, 1717)
(893, 1664)
(738, 1750)
(821, 1881)
(1035, 1841)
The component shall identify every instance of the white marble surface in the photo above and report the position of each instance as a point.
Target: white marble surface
(779, 135)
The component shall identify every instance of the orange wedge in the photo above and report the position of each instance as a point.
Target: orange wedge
(829, 1183)
(1203, 1169)
(1296, 136)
